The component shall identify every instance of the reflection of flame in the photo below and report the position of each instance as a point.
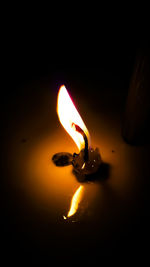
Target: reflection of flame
(68, 115)
(76, 199)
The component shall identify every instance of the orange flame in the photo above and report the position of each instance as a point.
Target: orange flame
(68, 115)
(76, 199)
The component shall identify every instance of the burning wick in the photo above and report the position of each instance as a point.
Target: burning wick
(88, 160)
(79, 130)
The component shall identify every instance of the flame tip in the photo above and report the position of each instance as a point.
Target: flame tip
(62, 86)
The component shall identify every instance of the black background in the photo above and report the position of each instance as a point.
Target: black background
(39, 53)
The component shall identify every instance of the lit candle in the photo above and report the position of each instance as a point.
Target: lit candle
(88, 160)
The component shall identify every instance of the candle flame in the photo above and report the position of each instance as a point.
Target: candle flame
(76, 199)
(69, 116)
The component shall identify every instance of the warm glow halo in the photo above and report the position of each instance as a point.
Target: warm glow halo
(68, 115)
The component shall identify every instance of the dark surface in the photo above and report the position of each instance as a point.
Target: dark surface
(30, 236)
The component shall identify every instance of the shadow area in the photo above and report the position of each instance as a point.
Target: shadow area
(101, 175)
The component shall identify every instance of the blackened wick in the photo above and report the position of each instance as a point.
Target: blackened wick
(79, 130)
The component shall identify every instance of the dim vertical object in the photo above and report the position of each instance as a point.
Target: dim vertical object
(137, 112)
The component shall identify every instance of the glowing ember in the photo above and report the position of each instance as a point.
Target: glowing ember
(76, 199)
(68, 116)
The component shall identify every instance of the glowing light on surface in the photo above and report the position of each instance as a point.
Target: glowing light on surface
(76, 199)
